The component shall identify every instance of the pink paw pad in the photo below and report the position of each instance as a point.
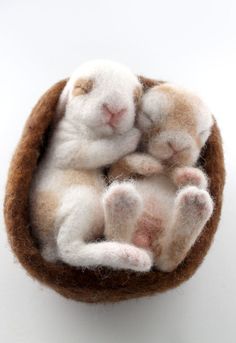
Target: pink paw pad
(190, 176)
(196, 201)
(136, 258)
(122, 200)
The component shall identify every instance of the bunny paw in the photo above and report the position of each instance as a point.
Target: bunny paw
(122, 199)
(190, 176)
(195, 203)
(135, 259)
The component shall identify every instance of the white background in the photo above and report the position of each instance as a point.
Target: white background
(192, 43)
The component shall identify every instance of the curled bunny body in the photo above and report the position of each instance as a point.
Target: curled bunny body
(94, 127)
(165, 207)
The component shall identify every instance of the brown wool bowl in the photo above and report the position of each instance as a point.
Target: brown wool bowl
(100, 284)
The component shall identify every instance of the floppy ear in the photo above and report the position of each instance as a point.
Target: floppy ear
(149, 83)
(62, 101)
(205, 134)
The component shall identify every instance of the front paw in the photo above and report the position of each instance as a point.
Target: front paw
(131, 140)
(150, 167)
(152, 170)
(143, 164)
(189, 176)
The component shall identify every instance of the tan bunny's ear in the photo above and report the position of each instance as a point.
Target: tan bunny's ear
(149, 83)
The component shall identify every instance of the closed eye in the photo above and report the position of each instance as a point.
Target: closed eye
(148, 117)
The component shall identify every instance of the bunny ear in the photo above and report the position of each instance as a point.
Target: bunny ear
(149, 83)
(62, 101)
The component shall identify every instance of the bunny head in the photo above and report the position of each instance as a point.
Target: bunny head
(102, 96)
(176, 124)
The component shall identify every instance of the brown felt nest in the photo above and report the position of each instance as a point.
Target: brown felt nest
(100, 284)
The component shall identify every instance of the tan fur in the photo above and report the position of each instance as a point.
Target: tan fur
(82, 177)
(82, 86)
(43, 211)
(44, 204)
(149, 83)
(149, 228)
(177, 249)
(120, 171)
(181, 112)
(180, 115)
(137, 96)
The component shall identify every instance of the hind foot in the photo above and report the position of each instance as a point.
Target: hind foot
(195, 204)
(131, 258)
(122, 206)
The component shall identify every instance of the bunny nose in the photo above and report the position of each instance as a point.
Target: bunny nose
(112, 114)
(175, 148)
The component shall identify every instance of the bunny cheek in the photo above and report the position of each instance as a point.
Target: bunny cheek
(127, 120)
(187, 158)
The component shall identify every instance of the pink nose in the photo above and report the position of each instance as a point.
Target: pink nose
(176, 149)
(173, 148)
(112, 115)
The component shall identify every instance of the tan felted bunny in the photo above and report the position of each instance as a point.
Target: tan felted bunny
(166, 209)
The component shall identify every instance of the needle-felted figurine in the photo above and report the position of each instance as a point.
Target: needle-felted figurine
(166, 210)
(94, 128)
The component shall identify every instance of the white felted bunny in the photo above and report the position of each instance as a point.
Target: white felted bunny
(164, 212)
(95, 118)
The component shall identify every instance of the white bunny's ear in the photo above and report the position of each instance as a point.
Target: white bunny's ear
(62, 102)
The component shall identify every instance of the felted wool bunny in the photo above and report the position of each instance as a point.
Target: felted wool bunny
(94, 128)
(167, 209)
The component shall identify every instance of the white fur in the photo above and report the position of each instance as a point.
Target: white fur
(177, 197)
(82, 140)
(114, 84)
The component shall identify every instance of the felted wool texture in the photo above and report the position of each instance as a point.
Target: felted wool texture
(97, 110)
(99, 284)
(164, 213)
